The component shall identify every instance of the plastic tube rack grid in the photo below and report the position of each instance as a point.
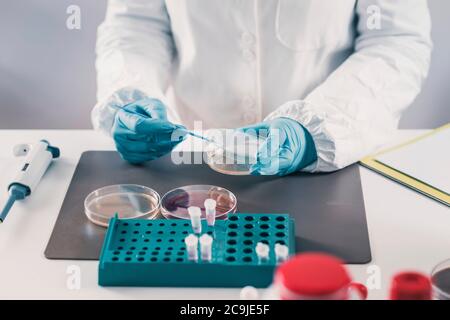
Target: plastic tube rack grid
(153, 253)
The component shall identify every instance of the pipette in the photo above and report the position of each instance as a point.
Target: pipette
(199, 136)
(38, 157)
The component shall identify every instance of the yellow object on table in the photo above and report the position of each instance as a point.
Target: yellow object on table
(406, 164)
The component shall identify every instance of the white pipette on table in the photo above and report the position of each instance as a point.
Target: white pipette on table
(37, 158)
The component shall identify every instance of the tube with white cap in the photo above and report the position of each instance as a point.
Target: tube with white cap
(249, 293)
(262, 251)
(191, 242)
(195, 213)
(206, 247)
(281, 252)
(210, 210)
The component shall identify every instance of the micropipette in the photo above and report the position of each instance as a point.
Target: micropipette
(38, 157)
(204, 138)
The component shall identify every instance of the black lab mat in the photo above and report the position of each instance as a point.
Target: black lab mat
(328, 208)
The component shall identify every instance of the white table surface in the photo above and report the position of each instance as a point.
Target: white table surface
(407, 230)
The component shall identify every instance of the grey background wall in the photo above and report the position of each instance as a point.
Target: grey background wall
(47, 74)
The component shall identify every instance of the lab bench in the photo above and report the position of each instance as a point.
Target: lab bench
(406, 230)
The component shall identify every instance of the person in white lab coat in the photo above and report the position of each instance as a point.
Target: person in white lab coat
(333, 76)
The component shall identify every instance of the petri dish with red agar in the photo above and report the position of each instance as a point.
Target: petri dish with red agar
(175, 203)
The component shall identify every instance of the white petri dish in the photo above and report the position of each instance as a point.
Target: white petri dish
(238, 154)
(128, 201)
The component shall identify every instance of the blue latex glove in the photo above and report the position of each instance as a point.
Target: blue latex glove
(289, 147)
(142, 132)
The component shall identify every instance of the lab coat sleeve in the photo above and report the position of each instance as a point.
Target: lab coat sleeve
(135, 50)
(359, 105)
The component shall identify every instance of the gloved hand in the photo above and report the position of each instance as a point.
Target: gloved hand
(142, 133)
(289, 147)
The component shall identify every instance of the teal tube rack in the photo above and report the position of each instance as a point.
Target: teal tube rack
(152, 252)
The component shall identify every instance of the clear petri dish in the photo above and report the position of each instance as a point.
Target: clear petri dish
(440, 280)
(234, 153)
(174, 204)
(129, 201)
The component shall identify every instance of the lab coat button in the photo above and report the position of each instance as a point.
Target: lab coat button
(247, 39)
(248, 55)
(248, 102)
(249, 118)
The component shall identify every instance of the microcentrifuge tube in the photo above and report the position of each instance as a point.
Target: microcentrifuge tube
(262, 251)
(210, 209)
(196, 220)
(206, 247)
(281, 252)
(249, 293)
(191, 242)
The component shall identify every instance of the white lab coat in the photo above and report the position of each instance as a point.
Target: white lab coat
(331, 65)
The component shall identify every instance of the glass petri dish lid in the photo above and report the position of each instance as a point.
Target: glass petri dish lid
(174, 204)
(234, 153)
(440, 280)
(128, 201)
